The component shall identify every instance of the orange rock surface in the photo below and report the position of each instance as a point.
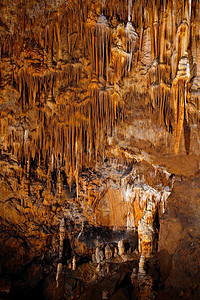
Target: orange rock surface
(99, 120)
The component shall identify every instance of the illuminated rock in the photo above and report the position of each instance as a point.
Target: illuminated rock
(99, 117)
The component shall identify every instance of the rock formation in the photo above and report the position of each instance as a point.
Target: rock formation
(99, 149)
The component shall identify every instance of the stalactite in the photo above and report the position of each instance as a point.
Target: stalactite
(180, 96)
(83, 94)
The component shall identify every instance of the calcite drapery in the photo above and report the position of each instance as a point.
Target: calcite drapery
(66, 100)
(74, 77)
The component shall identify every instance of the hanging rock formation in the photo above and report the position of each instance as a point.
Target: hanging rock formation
(99, 149)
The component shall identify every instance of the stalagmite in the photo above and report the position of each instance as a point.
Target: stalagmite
(98, 269)
(97, 255)
(62, 237)
(146, 235)
(141, 265)
(58, 274)
(130, 221)
(121, 247)
(74, 263)
(108, 252)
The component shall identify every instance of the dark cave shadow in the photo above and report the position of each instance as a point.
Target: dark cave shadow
(187, 133)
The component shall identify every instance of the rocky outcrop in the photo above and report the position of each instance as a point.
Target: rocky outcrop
(179, 240)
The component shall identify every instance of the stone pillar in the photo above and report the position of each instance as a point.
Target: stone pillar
(108, 252)
(97, 255)
(62, 236)
(59, 271)
(141, 265)
(74, 263)
(121, 247)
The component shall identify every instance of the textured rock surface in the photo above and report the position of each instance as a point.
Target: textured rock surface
(99, 147)
(179, 240)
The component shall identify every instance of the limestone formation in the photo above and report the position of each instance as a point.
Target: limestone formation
(121, 247)
(62, 236)
(74, 263)
(97, 255)
(58, 274)
(115, 252)
(98, 269)
(141, 265)
(108, 252)
(99, 133)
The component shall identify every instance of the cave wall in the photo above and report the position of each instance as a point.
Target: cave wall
(99, 107)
